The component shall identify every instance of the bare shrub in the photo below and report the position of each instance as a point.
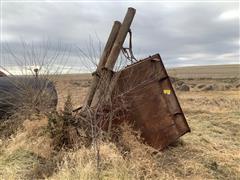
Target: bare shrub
(31, 89)
(127, 159)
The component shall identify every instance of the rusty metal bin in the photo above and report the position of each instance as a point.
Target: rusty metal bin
(154, 107)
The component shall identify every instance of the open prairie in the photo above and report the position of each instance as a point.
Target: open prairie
(211, 104)
(212, 149)
(211, 71)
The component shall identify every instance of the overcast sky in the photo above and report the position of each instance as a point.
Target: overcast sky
(185, 34)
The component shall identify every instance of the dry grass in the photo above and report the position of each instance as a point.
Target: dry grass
(210, 151)
(28, 153)
(75, 85)
(214, 121)
(212, 71)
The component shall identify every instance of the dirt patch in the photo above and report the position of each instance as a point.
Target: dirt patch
(204, 84)
(183, 87)
(209, 87)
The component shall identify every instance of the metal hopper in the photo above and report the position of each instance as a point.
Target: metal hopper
(154, 107)
(152, 103)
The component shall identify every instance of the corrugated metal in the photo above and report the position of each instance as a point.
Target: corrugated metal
(153, 104)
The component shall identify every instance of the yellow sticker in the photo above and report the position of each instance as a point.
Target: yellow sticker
(167, 91)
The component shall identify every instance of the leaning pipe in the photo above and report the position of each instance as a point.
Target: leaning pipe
(102, 62)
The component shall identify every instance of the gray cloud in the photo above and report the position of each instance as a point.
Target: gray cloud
(183, 33)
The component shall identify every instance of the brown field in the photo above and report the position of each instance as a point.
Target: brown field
(212, 71)
(210, 151)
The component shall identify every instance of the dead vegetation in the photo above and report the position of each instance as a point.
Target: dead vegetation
(210, 151)
(67, 145)
(49, 146)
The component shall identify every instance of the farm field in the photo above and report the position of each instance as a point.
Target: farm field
(211, 104)
(211, 71)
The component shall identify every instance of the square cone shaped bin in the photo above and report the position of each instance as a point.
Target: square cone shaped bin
(153, 106)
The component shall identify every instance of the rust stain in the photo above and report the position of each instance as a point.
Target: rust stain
(153, 104)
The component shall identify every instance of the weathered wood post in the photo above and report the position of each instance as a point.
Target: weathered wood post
(103, 59)
(112, 58)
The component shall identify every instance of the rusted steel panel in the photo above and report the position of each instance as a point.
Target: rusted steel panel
(153, 105)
